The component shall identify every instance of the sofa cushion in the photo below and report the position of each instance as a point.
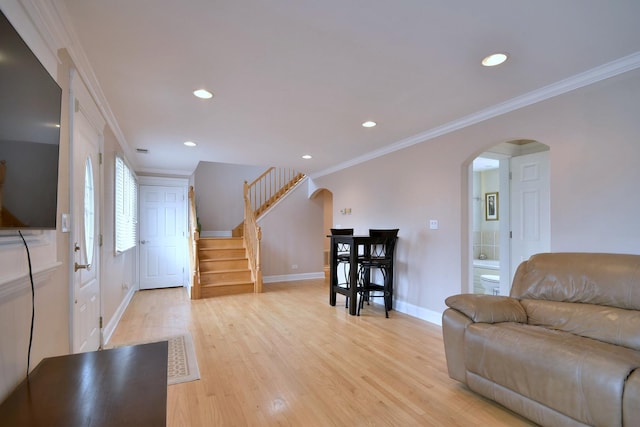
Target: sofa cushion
(602, 279)
(488, 308)
(600, 322)
(631, 400)
(536, 412)
(580, 377)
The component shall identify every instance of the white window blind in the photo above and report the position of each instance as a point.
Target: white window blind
(126, 216)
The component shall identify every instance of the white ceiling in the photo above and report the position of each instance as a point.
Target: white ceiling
(294, 77)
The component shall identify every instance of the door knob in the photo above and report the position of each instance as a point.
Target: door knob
(144, 241)
(77, 266)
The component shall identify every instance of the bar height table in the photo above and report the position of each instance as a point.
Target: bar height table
(359, 246)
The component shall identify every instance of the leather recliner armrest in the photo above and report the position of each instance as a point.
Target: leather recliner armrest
(488, 308)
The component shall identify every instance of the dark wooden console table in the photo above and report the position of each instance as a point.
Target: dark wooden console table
(125, 386)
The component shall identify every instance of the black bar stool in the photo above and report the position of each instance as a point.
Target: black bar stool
(379, 257)
(342, 257)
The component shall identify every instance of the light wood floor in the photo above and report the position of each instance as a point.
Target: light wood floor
(287, 358)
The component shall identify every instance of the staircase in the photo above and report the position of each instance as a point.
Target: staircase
(224, 267)
(231, 265)
(267, 190)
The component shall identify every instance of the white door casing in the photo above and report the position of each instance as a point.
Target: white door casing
(86, 310)
(163, 236)
(530, 207)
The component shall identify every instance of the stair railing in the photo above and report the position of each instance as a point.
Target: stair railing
(259, 196)
(252, 235)
(194, 238)
(265, 190)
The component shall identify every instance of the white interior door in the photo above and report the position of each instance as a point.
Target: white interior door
(85, 214)
(163, 236)
(530, 207)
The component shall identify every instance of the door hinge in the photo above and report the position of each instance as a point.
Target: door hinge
(100, 322)
(510, 175)
(100, 240)
(99, 158)
(511, 234)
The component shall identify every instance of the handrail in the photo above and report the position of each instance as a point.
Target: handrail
(259, 196)
(194, 237)
(252, 235)
(265, 190)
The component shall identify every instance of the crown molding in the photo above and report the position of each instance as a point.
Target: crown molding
(42, 23)
(178, 173)
(52, 21)
(589, 77)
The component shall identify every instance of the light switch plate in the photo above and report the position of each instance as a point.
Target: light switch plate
(65, 225)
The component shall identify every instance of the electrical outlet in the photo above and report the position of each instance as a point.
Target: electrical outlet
(433, 224)
(294, 266)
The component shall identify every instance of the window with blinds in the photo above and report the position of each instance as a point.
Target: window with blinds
(126, 217)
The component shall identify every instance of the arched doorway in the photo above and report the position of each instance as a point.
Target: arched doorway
(326, 198)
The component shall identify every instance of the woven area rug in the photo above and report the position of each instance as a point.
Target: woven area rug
(182, 363)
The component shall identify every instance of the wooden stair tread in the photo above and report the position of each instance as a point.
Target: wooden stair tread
(224, 267)
(226, 270)
(229, 283)
(221, 260)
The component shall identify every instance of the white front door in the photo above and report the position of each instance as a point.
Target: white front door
(530, 207)
(86, 267)
(163, 236)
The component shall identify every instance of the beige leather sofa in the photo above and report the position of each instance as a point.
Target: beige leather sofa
(563, 349)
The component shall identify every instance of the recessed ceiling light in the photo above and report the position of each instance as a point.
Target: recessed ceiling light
(190, 144)
(494, 59)
(203, 93)
(307, 156)
(369, 124)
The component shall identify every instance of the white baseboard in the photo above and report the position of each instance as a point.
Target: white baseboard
(414, 311)
(419, 312)
(293, 277)
(108, 330)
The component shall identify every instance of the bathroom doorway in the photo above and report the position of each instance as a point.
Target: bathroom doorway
(509, 218)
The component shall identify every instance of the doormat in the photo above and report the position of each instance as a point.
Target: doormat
(182, 364)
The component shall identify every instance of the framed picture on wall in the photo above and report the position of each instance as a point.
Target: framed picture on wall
(491, 206)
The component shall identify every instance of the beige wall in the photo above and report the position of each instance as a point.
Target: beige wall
(118, 278)
(293, 234)
(593, 137)
(327, 219)
(219, 194)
